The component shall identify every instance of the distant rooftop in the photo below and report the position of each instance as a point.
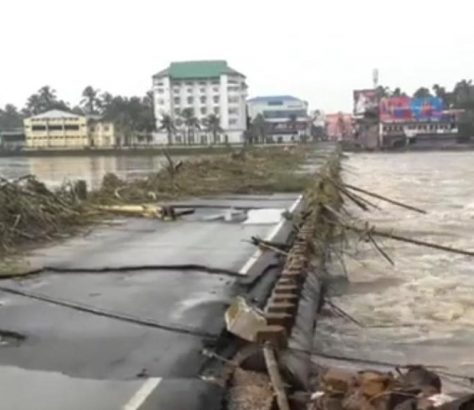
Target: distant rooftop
(197, 69)
(54, 114)
(273, 98)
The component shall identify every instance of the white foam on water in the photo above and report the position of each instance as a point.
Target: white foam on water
(426, 310)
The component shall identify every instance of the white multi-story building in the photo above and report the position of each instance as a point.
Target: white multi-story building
(206, 87)
(286, 117)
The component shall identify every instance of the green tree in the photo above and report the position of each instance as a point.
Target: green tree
(91, 102)
(133, 117)
(106, 99)
(191, 123)
(167, 124)
(10, 118)
(44, 100)
(213, 126)
(463, 98)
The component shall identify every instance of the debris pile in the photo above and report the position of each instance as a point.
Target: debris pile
(415, 388)
(250, 391)
(260, 170)
(30, 212)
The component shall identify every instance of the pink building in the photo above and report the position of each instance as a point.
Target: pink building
(339, 126)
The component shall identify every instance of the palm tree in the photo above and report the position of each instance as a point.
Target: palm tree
(213, 125)
(190, 122)
(91, 101)
(167, 124)
(47, 96)
(33, 105)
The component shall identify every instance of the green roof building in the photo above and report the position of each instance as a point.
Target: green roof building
(205, 88)
(188, 70)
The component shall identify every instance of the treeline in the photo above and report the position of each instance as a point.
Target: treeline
(130, 114)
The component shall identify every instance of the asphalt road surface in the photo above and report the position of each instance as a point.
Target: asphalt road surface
(120, 316)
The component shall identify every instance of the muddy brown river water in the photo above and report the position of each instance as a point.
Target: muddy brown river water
(422, 309)
(58, 169)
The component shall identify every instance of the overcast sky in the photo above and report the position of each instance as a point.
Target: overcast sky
(317, 50)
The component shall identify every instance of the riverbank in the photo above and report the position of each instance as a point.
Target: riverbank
(146, 150)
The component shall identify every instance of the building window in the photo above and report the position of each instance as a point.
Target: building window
(38, 128)
(202, 83)
(203, 110)
(55, 127)
(176, 90)
(216, 110)
(190, 90)
(202, 90)
(215, 89)
(189, 83)
(190, 100)
(232, 121)
(177, 111)
(160, 91)
(233, 99)
(215, 99)
(106, 128)
(71, 127)
(203, 100)
(160, 82)
(161, 102)
(233, 111)
(177, 100)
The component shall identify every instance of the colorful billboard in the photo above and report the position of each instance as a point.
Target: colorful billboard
(406, 109)
(365, 101)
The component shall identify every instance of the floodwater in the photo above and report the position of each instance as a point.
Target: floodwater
(58, 169)
(422, 309)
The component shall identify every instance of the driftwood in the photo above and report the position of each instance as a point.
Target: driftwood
(145, 211)
(379, 249)
(383, 198)
(275, 377)
(409, 240)
(361, 202)
(30, 211)
(343, 313)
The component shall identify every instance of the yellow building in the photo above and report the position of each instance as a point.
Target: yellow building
(58, 129)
